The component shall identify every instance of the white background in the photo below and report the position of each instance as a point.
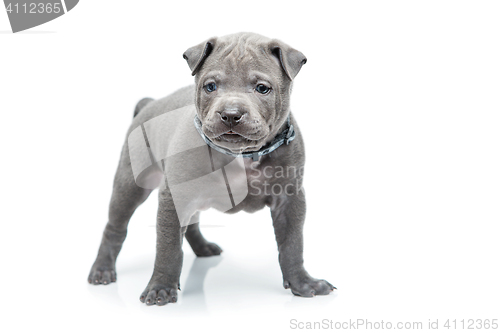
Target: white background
(399, 108)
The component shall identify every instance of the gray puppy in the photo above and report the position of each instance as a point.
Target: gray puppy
(238, 109)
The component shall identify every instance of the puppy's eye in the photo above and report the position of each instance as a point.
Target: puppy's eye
(262, 89)
(210, 87)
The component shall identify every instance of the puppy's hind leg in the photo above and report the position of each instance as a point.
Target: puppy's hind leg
(126, 197)
(201, 247)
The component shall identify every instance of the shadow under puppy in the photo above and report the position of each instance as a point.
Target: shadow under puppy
(231, 138)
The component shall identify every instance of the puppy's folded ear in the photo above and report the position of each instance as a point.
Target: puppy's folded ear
(196, 55)
(290, 59)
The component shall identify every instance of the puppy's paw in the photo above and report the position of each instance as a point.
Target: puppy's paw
(308, 287)
(208, 250)
(102, 275)
(159, 294)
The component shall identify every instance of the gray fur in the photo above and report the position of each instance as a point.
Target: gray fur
(236, 63)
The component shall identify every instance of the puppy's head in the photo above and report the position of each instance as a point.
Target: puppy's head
(243, 85)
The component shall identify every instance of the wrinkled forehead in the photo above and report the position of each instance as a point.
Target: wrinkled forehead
(243, 59)
(244, 76)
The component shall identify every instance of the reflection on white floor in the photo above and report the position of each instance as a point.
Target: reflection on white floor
(193, 288)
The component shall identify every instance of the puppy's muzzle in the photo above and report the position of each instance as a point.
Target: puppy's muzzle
(231, 118)
(233, 110)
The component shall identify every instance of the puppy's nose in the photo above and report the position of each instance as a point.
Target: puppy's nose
(231, 117)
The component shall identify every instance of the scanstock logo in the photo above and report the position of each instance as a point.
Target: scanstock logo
(28, 14)
(161, 150)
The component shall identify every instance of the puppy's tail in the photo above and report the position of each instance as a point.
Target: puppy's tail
(141, 104)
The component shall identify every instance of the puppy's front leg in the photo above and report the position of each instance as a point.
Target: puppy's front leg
(164, 283)
(288, 212)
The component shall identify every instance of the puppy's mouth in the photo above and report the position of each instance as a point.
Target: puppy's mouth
(239, 138)
(231, 136)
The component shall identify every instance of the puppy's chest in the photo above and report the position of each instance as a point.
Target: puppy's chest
(204, 178)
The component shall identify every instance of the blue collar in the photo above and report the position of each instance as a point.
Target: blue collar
(284, 137)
